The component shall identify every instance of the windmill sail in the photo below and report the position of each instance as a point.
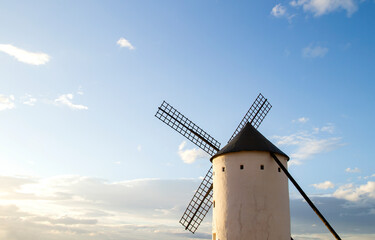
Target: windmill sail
(199, 205)
(173, 118)
(202, 199)
(256, 114)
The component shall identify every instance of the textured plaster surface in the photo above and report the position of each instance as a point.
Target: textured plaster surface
(250, 203)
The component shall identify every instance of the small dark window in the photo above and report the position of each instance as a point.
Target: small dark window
(214, 203)
(241, 167)
(279, 170)
(261, 167)
(223, 169)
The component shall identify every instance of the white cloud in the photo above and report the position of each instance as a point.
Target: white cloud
(354, 193)
(301, 120)
(6, 102)
(190, 155)
(367, 177)
(314, 51)
(307, 144)
(354, 170)
(278, 10)
(33, 58)
(321, 7)
(28, 100)
(324, 185)
(309, 147)
(329, 128)
(122, 42)
(66, 99)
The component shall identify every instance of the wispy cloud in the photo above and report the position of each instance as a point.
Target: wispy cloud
(124, 43)
(6, 102)
(33, 58)
(190, 155)
(66, 100)
(329, 128)
(321, 7)
(302, 120)
(354, 170)
(28, 100)
(308, 144)
(312, 51)
(324, 185)
(371, 176)
(278, 10)
(309, 147)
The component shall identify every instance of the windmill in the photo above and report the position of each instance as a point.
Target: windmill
(251, 203)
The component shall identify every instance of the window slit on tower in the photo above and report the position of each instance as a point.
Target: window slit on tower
(241, 167)
(261, 167)
(223, 169)
(279, 170)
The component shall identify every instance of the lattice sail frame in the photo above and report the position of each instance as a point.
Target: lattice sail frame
(173, 118)
(199, 205)
(256, 113)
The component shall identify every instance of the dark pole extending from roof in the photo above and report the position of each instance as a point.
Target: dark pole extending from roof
(305, 197)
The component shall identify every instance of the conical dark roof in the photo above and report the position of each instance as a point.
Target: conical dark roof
(249, 139)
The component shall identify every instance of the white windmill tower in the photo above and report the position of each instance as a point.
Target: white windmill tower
(245, 184)
(250, 193)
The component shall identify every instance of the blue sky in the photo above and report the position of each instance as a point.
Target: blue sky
(81, 82)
